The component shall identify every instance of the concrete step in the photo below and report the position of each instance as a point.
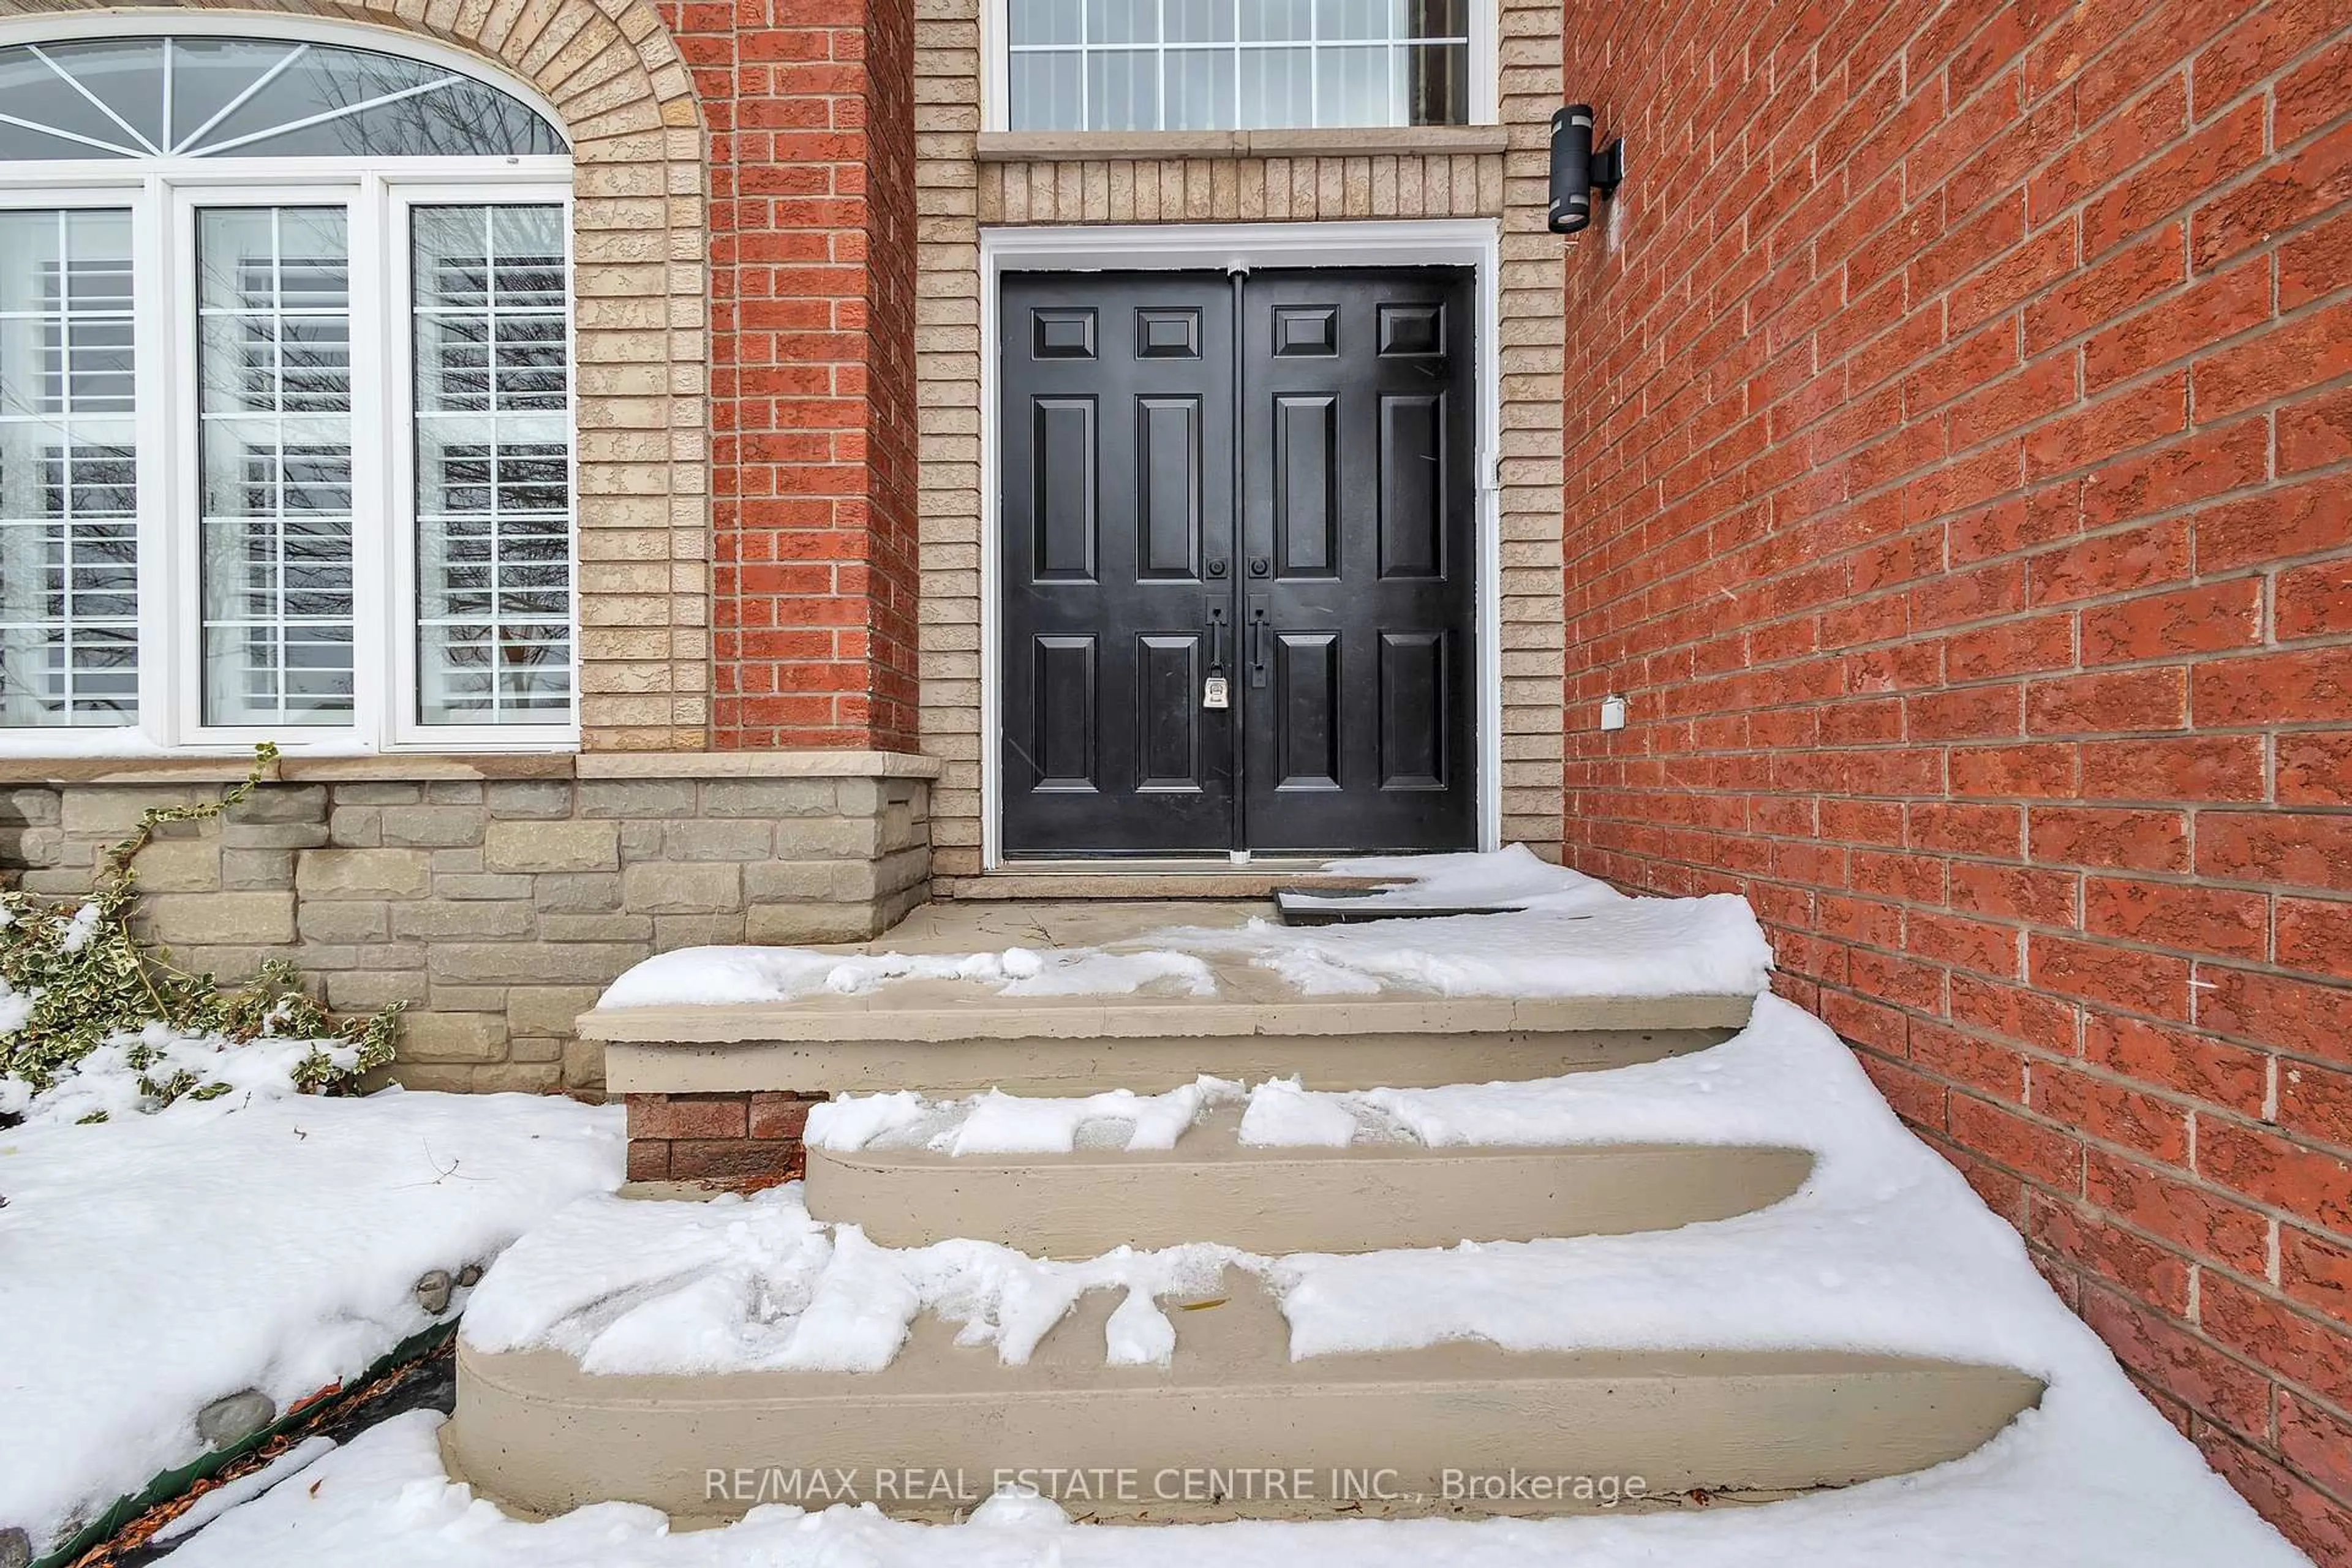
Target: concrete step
(1233, 1427)
(1360, 1198)
(948, 1037)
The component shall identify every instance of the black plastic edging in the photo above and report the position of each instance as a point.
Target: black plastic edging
(172, 1484)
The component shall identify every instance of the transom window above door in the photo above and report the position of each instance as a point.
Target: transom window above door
(1223, 65)
(286, 431)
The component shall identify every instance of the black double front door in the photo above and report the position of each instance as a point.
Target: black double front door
(1236, 564)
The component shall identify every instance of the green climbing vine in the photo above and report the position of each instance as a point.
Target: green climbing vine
(74, 978)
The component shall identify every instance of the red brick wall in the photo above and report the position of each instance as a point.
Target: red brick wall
(812, 258)
(745, 1141)
(1959, 432)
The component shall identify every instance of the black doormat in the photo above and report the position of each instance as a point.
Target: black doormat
(1355, 906)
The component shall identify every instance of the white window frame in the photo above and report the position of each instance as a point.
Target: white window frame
(162, 196)
(996, 77)
(409, 731)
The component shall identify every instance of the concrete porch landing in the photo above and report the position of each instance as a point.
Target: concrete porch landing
(958, 1036)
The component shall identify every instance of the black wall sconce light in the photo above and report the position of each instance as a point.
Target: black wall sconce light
(1577, 171)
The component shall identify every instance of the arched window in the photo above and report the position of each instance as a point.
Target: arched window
(285, 399)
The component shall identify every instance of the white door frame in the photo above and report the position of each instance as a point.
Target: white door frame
(1476, 243)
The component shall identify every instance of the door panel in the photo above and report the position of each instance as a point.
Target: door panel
(1306, 486)
(1137, 411)
(1062, 464)
(1371, 742)
(1171, 465)
(1065, 746)
(1413, 485)
(1306, 710)
(1116, 418)
(1416, 699)
(1168, 711)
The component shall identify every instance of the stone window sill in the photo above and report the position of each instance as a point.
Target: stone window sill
(1073, 146)
(399, 767)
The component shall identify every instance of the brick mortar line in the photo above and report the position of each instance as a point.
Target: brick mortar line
(1943, 630)
(2285, 1054)
(2250, 489)
(2089, 1068)
(1710, 308)
(2269, 1290)
(2084, 402)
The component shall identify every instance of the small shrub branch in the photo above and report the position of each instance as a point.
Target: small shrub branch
(74, 977)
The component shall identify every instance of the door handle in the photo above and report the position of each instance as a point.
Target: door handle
(1217, 613)
(1261, 610)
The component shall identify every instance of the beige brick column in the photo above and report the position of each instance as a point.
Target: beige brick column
(1535, 629)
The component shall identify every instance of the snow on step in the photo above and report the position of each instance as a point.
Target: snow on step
(767, 1322)
(1570, 975)
(1885, 1248)
(1203, 1380)
(1562, 934)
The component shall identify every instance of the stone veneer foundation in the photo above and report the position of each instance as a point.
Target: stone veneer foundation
(496, 896)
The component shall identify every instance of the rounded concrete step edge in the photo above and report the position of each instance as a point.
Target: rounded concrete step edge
(931, 1435)
(1274, 1201)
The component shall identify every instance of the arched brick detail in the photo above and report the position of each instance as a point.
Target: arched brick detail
(640, 239)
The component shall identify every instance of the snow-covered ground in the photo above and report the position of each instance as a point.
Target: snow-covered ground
(1885, 1248)
(275, 1245)
(1572, 936)
(2034, 1496)
(151, 1265)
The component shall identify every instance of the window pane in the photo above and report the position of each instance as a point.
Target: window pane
(1048, 21)
(211, 76)
(1123, 88)
(1438, 83)
(1436, 18)
(1277, 88)
(1199, 89)
(1355, 19)
(1277, 19)
(1199, 21)
(275, 464)
(448, 117)
(33, 89)
(493, 466)
(1122, 21)
(68, 485)
(1352, 87)
(1047, 91)
(101, 98)
(128, 83)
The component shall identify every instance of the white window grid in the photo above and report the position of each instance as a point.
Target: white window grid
(65, 526)
(1394, 43)
(162, 198)
(523, 598)
(276, 620)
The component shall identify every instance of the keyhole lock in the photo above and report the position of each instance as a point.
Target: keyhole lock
(1217, 567)
(1259, 565)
